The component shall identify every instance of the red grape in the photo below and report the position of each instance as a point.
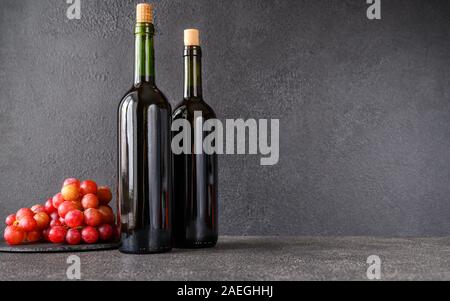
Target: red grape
(55, 222)
(70, 181)
(71, 192)
(34, 236)
(42, 220)
(73, 237)
(13, 235)
(24, 212)
(57, 200)
(104, 195)
(45, 234)
(57, 234)
(10, 219)
(78, 205)
(89, 201)
(89, 235)
(66, 207)
(27, 223)
(107, 214)
(38, 208)
(54, 215)
(49, 207)
(106, 232)
(74, 218)
(92, 217)
(88, 186)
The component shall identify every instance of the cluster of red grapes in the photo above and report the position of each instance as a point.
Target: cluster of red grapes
(79, 213)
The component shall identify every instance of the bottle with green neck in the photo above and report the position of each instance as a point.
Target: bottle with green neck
(195, 171)
(144, 155)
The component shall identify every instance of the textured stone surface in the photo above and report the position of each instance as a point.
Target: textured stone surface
(251, 258)
(363, 105)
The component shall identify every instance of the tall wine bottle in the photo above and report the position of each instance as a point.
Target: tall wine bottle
(144, 155)
(195, 173)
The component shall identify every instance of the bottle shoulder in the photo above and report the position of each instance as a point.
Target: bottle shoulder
(187, 107)
(146, 94)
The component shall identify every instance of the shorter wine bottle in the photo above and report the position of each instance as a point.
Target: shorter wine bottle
(195, 174)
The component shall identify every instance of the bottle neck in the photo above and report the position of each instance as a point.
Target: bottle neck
(144, 67)
(192, 72)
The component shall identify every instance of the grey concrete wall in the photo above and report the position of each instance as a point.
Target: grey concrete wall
(364, 106)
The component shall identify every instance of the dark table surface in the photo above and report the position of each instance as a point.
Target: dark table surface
(250, 258)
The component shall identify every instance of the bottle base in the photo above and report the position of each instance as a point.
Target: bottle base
(195, 244)
(145, 251)
(146, 242)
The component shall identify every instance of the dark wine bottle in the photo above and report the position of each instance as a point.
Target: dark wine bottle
(144, 155)
(195, 174)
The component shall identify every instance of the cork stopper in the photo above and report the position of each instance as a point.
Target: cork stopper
(191, 37)
(144, 13)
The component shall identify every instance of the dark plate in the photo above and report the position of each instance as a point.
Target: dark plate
(54, 248)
